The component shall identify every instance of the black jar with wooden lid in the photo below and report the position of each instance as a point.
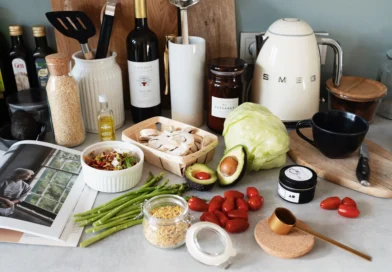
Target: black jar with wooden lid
(225, 87)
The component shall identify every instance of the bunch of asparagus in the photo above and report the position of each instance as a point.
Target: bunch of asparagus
(124, 211)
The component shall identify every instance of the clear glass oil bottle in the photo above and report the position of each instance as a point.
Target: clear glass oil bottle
(106, 127)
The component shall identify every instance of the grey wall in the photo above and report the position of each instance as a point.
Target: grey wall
(363, 27)
(27, 13)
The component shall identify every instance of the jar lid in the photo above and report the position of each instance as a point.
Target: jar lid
(210, 244)
(298, 177)
(28, 100)
(357, 89)
(227, 66)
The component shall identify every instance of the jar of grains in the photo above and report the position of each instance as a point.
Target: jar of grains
(166, 221)
(64, 102)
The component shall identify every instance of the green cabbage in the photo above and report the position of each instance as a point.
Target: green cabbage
(262, 134)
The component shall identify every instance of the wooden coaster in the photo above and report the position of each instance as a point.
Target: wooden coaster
(290, 246)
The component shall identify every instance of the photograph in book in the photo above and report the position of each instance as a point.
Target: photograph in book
(35, 183)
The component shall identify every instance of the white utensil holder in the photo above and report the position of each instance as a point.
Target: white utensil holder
(187, 70)
(95, 77)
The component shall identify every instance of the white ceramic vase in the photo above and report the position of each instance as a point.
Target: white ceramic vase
(187, 68)
(95, 77)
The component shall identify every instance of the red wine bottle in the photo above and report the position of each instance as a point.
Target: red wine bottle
(143, 67)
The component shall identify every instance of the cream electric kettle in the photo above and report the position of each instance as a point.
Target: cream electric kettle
(286, 78)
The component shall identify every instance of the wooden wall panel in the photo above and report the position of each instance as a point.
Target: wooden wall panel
(213, 20)
(162, 19)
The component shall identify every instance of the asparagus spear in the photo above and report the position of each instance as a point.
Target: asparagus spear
(124, 225)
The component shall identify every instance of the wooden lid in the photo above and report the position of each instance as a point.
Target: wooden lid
(290, 246)
(358, 89)
(58, 64)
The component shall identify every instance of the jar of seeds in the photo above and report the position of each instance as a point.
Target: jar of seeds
(64, 102)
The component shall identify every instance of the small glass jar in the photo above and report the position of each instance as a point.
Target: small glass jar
(224, 90)
(166, 233)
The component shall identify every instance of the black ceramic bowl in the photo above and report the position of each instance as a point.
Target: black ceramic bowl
(337, 134)
(7, 140)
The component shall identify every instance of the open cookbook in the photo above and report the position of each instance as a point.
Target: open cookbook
(41, 187)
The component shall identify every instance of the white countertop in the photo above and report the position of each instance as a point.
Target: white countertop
(129, 251)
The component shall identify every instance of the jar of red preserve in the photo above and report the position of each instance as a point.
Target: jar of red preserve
(224, 89)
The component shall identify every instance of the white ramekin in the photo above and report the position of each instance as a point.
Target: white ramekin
(112, 181)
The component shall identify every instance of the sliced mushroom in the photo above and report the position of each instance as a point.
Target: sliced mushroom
(183, 138)
(189, 130)
(180, 150)
(145, 138)
(197, 138)
(162, 142)
(149, 132)
(198, 145)
(155, 143)
(206, 141)
(194, 148)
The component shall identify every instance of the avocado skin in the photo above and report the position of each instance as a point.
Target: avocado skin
(240, 176)
(23, 126)
(194, 183)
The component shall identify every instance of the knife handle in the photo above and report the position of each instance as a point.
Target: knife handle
(363, 170)
(104, 37)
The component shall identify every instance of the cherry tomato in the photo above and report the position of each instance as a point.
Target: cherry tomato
(241, 204)
(238, 214)
(330, 203)
(228, 205)
(221, 217)
(202, 175)
(210, 217)
(216, 203)
(348, 211)
(198, 205)
(252, 191)
(234, 194)
(255, 203)
(349, 202)
(236, 225)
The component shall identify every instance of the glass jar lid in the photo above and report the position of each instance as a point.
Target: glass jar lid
(227, 66)
(210, 244)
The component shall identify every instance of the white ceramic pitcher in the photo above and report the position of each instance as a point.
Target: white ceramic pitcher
(95, 77)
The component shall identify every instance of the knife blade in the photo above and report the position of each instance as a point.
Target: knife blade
(363, 168)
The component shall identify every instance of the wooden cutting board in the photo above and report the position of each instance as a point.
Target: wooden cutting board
(342, 171)
(212, 20)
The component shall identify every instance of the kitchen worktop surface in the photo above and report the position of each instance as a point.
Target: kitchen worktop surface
(128, 250)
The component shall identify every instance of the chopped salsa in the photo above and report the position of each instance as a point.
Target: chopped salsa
(111, 160)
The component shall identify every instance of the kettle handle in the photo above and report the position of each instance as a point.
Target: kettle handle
(338, 62)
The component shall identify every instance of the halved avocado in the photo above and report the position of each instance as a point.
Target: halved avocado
(232, 166)
(204, 184)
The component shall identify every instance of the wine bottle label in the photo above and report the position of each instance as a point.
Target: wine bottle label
(42, 72)
(221, 107)
(2, 88)
(20, 72)
(144, 83)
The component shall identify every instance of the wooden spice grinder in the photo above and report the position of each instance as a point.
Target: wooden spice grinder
(282, 221)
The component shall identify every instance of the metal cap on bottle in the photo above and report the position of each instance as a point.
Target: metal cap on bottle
(39, 31)
(16, 30)
(140, 8)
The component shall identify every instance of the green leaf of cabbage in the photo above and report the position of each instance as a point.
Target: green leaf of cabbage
(262, 134)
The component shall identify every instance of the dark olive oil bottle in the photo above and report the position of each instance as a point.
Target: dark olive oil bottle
(41, 51)
(20, 60)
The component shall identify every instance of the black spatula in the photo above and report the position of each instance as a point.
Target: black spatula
(76, 25)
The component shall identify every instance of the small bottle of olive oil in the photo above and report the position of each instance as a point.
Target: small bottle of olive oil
(106, 127)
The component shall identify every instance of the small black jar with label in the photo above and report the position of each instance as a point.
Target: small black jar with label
(297, 184)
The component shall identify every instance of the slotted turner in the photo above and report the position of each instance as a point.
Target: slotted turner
(76, 25)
